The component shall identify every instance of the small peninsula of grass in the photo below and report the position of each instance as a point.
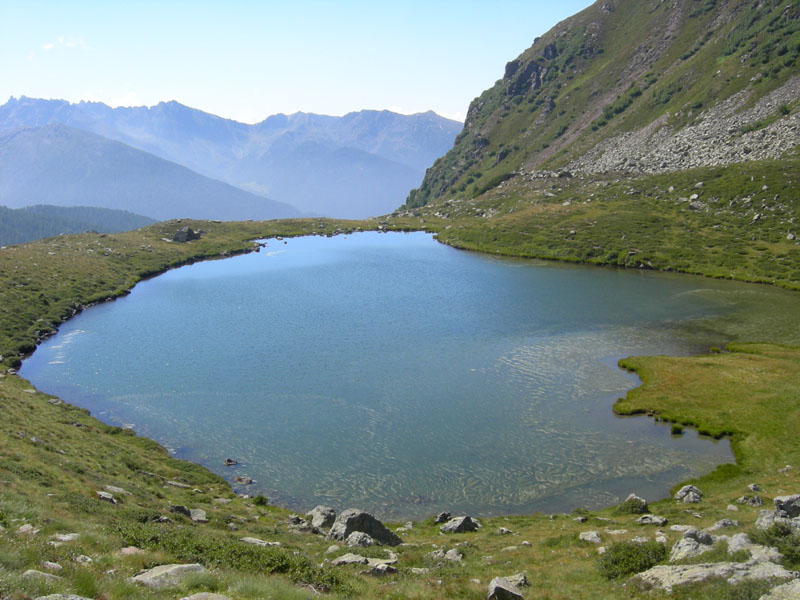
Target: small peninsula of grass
(54, 458)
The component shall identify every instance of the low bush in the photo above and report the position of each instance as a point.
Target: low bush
(627, 558)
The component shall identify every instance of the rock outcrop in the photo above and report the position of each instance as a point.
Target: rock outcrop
(665, 577)
(166, 575)
(353, 519)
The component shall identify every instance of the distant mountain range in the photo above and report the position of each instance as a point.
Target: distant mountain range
(358, 165)
(22, 225)
(62, 166)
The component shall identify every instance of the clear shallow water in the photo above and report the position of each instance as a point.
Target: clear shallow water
(396, 374)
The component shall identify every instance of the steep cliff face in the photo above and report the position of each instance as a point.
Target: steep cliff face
(634, 86)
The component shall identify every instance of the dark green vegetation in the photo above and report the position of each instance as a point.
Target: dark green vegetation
(34, 222)
(627, 558)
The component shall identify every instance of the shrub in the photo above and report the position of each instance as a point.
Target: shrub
(260, 500)
(627, 558)
(782, 537)
(676, 429)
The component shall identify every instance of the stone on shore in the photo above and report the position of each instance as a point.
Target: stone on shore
(322, 517)
(460, 525)
(442, 517)
(167, 575)
(353, 519)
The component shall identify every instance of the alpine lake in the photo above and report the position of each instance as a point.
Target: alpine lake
(388, 372)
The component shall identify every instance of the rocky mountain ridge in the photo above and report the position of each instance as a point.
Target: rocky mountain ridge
(634, 87)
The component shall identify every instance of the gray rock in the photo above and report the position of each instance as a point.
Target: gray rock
(33, 574)
(689, 494)
(359, 539)
(701, 536)
(750, 500)
(185, 234)
(27, 529)
(166, 575)
(106, 497)
(178, 484)
(206, 596)
(788, 504)
(501, 588)
(242, 480)
(754, 487)
(665, 577)
(352, 520)
(504, 531)
(65, 537)
(381, 569)
(350, 559)
(590, 536)
(62, 597)
(257, 542)
(180, 509)
(651, 520)
(116, 490)
(442, 517)
(519, 580)
(51, 566)
(757, 552)
(322, 517)
(453, 555)
(229, 462)
(787, 591)
(198, 515)
(460, 525)
(723, 523)
(687, 548)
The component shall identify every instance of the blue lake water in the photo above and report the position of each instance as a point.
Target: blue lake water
(395, 374)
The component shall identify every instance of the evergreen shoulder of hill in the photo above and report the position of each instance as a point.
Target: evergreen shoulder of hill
(40, 221)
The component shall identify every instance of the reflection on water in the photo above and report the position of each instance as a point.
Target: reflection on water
(392, 373)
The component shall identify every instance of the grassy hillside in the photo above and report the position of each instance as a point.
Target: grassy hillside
(648, 69)
(54, 457)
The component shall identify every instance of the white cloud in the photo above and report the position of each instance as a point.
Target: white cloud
(68, 43)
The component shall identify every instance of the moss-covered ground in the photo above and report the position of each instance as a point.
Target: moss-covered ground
(55, 457)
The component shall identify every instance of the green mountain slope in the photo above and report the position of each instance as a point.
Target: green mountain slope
(631, 87)
(645, 134)
(34, 222)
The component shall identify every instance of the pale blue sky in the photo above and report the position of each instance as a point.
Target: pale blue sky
(246, 60)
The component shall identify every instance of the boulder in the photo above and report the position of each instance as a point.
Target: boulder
(723, 523)
(788, 504)
(33, 574)
(381, 569)
(206, 596)
(689, 494)
(106, 497)
(185, 234)
(322, 517)
(350, 559)
(787, 591)
(359, 539)
(501, 588)
(198, 515)
(665, 577)
(590, 536)
(757, 552)
(166, 575)
(442, 517)
(519, 580)
(750, 500)
(180, 509)
(353, 519)
(504, 531)
(116, 490)
(652, 520)
(687, 548)
(460, 525)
